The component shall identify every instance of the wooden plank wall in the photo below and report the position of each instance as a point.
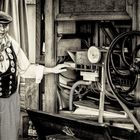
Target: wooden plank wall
(82, 6)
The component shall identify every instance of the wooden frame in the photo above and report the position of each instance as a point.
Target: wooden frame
(92, 10)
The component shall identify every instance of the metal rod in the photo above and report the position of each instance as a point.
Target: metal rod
(102, 96)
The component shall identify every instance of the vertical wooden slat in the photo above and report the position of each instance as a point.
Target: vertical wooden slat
(56, 7)
(38, 44)
(56, 11)
(50, 79)
(134, 15)
(38, 29)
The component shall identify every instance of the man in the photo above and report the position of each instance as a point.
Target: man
(13, 64)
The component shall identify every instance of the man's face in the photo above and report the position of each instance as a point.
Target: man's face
(4, 28)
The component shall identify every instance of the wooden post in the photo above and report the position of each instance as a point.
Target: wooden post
(50, 59)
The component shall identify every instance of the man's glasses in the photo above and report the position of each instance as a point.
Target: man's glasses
(3, 25)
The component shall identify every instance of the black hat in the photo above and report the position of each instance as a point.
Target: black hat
(5, 18)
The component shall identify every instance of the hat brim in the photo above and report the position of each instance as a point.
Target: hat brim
(5, 18)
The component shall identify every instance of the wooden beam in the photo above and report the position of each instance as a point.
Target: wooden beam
(94, 16)
(50, 59)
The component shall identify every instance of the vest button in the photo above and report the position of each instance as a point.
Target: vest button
(10, 55)
(13, 70)
(0, 93)
(12, 63)
(10, 87)
(9, 50)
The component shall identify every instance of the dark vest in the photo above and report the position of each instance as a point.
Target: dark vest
(8, 79)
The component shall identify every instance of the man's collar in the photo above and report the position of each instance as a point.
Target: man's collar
(5, 40)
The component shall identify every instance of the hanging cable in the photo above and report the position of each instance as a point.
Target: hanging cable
(108, 62)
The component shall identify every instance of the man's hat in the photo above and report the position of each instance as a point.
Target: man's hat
(5, 18)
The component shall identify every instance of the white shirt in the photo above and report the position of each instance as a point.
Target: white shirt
(24, 68)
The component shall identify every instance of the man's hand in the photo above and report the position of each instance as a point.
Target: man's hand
(57, 69)
(60, 68)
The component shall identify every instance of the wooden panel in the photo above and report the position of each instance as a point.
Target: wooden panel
(77, 6)
(68, 44)
(28, 94)
(66, 27)
(31, 93)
